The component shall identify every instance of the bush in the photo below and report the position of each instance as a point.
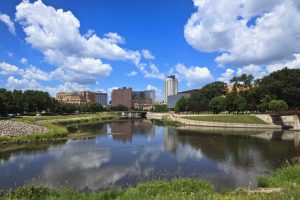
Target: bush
(263, 107)
(278, 105)
(160, 108)
(118, 108)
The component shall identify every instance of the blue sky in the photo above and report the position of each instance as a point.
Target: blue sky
(56, 45)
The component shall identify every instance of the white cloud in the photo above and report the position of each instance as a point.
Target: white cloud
(8, 22)
(227, 76)
(8, 69)
(56, 34)
(133, 73)
(33, 73)
(246, 31)
(194, 76)
(23, 61)
(150, 71)
(89, 33)
(147, 54)
(114, 38)
(289, 64)
(256, 70)
(22, 84)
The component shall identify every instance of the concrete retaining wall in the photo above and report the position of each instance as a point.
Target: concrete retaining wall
(152, 115)
(222, 124)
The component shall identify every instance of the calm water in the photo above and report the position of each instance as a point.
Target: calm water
(124, 153)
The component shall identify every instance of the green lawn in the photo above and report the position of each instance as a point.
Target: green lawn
(247, 119)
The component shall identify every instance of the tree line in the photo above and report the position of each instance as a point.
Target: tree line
(278, 91)
(32, 102)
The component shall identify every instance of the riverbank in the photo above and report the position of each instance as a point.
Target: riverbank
(284, 183)
(246, 119)
(221, 120)
(46, 128)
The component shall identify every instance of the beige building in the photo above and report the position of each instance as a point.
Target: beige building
(79, 97)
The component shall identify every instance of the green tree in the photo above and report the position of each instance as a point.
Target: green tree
(199, 101)
(217, 104)
(283, 84)
(3, 108)
(181, 105)
(243, 82)
(118, 108)
(235, 102)
(278, 105)
(160, 108)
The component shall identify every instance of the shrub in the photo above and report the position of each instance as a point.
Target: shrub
(278, 105)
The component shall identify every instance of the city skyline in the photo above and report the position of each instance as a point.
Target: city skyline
(58, 46)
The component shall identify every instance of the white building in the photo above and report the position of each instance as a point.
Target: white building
(171, 87)
(101, 98)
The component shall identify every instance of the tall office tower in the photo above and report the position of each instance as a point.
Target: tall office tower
(171, 87)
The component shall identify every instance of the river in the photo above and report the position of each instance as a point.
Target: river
(124, 153)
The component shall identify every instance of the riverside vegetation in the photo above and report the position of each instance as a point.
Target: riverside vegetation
(55, 126)
(283, 184)
(275, 92)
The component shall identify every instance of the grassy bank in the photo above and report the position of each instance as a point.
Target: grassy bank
(286, 181)
(165, 121)
(55, 125)
(247, 119)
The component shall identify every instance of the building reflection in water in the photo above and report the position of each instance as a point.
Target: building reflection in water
(124, 130)
(170, 139)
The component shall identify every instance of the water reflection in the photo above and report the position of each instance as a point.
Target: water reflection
(126, 152)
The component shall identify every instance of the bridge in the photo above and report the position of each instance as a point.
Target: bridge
(130, 114)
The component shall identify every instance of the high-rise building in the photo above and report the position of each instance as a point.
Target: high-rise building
(101, 98)
(171, 87)
(122, 96)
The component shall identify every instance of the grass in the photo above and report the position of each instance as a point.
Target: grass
(247, 119)
(165, 121)
(287, 178)
(55, 125)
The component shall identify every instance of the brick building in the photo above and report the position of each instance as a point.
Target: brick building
(122, 96)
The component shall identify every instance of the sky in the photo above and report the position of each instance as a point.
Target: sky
(99, 45)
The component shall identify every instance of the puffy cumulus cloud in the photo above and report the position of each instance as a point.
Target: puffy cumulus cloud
(8, 69)
(256, 70)
(22, 84)
(226, 76)
(295, 63)
(30, 73)
(133, 73)
(33, 73)
(147, 54)
(56, 34)
(246, 31)
(8, 22)
(194, 75)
